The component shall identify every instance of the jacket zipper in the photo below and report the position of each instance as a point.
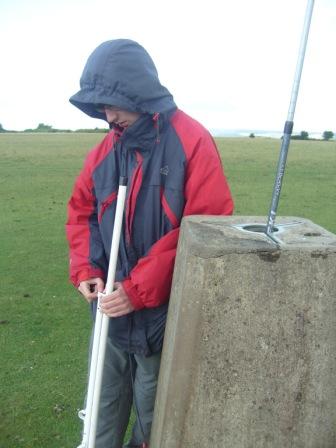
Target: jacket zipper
(132, 197)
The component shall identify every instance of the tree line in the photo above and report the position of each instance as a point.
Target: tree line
(47, 128)
(304, 135)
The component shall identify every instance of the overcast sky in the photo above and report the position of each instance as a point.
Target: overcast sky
(229, 63)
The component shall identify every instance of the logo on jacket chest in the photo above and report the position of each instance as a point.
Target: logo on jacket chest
(164, 170)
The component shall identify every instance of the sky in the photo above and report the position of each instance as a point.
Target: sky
(229, 63)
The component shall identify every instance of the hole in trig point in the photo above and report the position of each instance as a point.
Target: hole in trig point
(259, 228)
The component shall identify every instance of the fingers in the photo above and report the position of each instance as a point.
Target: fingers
(100, 285)
(90, 288)
(118, 310)
(116, 304)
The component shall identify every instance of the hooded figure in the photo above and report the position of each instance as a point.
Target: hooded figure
(173, 170)
(121, 73)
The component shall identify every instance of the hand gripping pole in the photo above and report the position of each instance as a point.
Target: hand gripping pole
(100, 332)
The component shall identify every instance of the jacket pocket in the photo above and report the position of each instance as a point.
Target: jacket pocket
(169, 212)
(103, 205)
(172, 202)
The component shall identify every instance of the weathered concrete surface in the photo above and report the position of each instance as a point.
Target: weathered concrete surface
(249, 357)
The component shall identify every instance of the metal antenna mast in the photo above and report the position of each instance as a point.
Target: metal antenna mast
(288, 128)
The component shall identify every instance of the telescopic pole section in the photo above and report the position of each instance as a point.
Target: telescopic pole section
(288, 128)
(101, 330)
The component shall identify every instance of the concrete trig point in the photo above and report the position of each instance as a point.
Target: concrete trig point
(249, 357)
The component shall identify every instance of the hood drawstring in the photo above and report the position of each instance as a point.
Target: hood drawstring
(156, 117)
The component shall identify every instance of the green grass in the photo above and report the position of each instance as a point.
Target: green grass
(44, 323)
(45, 334)
(309, 185)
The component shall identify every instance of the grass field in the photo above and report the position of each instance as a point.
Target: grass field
(44, 324)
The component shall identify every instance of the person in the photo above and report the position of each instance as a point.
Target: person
(173, 170)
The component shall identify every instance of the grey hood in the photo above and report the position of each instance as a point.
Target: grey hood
(121, 73)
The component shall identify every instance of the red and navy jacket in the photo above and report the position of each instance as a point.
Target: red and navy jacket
(173, 170)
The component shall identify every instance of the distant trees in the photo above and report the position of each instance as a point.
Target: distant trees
(327, 135)
(42, 128)
(3, 130)
(302, 136)
(95, 130)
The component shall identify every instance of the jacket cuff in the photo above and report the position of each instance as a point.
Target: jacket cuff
(130, 290)
(86, 274)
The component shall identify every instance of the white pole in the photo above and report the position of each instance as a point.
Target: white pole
(92, 378)
(101, 331)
